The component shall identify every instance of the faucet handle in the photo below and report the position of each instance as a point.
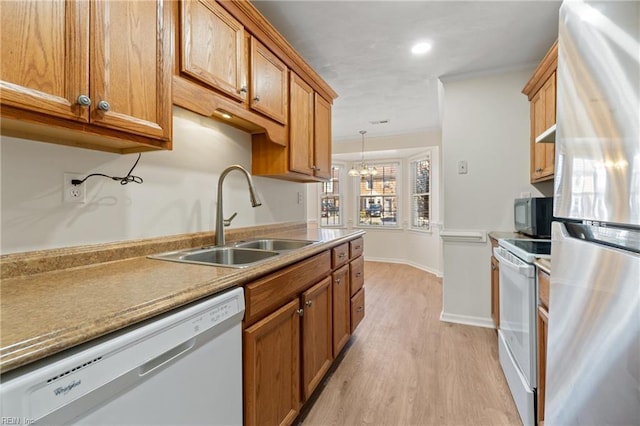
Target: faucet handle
(227, 222)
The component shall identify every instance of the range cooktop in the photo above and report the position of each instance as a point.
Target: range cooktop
(527, 250)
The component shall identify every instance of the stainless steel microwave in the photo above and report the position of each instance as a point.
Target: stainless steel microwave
(533, 216)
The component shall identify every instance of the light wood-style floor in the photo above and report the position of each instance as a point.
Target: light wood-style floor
(404, 366)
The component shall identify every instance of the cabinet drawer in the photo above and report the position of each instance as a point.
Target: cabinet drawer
(356, 274)
(357, 309)
(269, 293)
(340, 255)
(356, 248)
(543, 288)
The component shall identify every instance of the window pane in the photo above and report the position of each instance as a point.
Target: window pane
(421, 177)
(330, 213)
(420, 186)
(420, 209)
(378, 203)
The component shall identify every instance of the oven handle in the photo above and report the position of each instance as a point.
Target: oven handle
(508, 260)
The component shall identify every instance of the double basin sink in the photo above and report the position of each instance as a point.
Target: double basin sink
(241, 254)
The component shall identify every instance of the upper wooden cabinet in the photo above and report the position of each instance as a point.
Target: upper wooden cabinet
(322, 138)
(269, 88)
(213, 47)
(286, 105)
(541, 91)
(93, 74)
(301, 127)
(307, 157)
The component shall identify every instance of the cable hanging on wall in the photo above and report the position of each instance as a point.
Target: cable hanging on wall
(123, 180)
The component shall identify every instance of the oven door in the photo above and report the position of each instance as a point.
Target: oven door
(518, 310)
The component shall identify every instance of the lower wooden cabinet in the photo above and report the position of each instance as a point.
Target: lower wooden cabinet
(495, 291)
(272, 368)
(317, 329)
(297, 320)
(341, 309)
(543, 322)
(357, 309)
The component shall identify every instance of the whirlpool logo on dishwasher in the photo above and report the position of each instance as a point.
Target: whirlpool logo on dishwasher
(62, 391)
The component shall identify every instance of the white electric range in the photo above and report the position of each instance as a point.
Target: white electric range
(517, 336)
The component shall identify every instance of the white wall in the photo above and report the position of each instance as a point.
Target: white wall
(178, 194)
(486, 123)
(402, 245)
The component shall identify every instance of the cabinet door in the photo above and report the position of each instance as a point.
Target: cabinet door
(543, 320)
(341, 309)
(495, 291)
(213, 47)
(45, 51)
(549, 89)
(272, 368)
(356, 271)
(300, 126)
(538, 124)
(317, 352)
(269, 86)
(543, 116)
(130, 59)
(322, 139)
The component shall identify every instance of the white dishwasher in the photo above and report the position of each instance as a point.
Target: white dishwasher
(180, 368)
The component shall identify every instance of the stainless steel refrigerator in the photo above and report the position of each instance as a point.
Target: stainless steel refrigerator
(593, 355)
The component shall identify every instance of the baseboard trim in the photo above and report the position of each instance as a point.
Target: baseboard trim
(404, 262)
(467, 320)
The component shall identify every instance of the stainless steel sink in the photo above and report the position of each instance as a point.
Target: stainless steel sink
(234, 257)
(242, 254)
(274, 244)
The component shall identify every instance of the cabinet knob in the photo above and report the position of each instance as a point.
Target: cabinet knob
(309, 303)
(257, 99)
(341, 255)
(358, 274)
(300, 312)
(338, 280)
(84, 100)
(104, 106)
(243, 89)
(360, 308)
(493, 267)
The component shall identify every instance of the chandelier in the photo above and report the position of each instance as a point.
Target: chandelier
(363, 169)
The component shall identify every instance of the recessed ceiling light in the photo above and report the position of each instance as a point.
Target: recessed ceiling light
(421, 48)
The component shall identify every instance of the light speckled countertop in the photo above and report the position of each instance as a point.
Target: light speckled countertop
(44, 313)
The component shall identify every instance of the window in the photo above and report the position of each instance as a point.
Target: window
(420, 188)
(330, 212)
(378, 196)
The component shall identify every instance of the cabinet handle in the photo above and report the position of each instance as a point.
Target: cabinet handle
(243, 89)
(309, 303)
(493, 267)
(360, 308)
(341, 255)
(84, 100)
(338, 280)
(104, 106)
(257, 99)
(357, 247)
(538, 170)
(358, 274)
(300, 312)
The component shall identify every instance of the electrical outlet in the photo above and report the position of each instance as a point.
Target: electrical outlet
(300, 198)
(462, 167)
(73, 193)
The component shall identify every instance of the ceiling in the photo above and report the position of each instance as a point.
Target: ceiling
(362, 49)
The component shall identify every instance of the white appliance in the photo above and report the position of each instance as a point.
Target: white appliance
(184, 367)
(517, 336)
